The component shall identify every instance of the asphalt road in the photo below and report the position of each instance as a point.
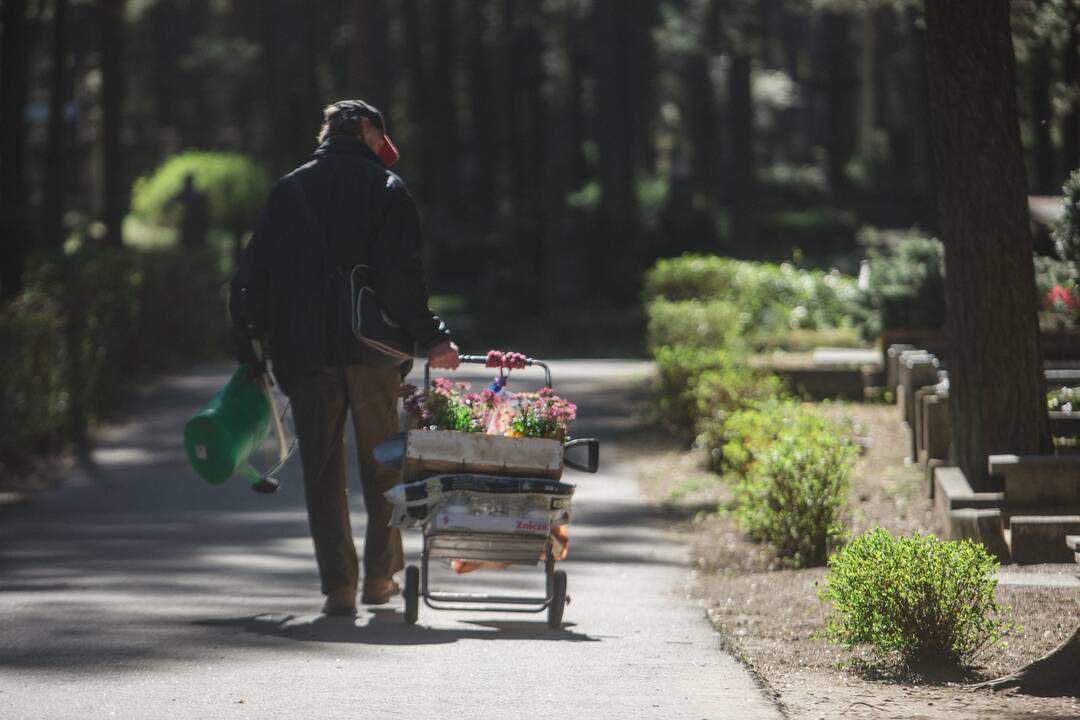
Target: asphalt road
(135, 590)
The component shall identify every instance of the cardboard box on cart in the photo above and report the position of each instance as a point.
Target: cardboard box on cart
(434, 452)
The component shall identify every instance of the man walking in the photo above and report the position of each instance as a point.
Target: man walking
(340, 209)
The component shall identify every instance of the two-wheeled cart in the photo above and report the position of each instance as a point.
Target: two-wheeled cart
(488, 499)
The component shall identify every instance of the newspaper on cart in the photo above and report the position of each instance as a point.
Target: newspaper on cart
(482, 503)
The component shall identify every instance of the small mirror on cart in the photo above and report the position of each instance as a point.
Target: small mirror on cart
(582, 454)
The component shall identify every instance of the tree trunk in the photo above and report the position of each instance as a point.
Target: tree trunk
(14, 84)
(115, 185)
(291, 91)
(1070, 75)
(700, 103)
(483, 128)
(370, 70)
(615, 107)
(1042, 117)
(743, 178)
(997, 389)
(444, 127)
(419, 102)
(1054, 672)
(56, 154)
(840, 106)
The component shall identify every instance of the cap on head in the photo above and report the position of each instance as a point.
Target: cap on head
(355, 109)
(343, 118)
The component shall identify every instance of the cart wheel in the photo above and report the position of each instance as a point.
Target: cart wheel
(412, 594)
(558, 600)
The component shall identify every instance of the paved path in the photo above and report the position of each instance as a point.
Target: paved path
(137, 591)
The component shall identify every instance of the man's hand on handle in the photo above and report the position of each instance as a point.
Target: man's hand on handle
(444, 356)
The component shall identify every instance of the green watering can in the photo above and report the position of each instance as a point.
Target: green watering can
(221, 438)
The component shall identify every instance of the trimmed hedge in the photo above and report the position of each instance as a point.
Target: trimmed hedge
(236, 187)
(695, 324)
(770, 301)
(34, 395)
(91, 320)
(699, 384)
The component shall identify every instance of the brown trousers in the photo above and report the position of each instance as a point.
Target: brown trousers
(320, 402)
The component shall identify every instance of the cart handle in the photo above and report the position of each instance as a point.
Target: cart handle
(482, 360)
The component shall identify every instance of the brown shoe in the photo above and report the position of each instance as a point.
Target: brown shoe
(341, 602)
(378, 591)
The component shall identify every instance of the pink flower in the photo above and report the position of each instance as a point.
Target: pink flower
(1060, 298)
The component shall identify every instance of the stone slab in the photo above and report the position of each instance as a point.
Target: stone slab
(892, 364)
(931, 466)
(981, 526)
(953, 497)
(846, 357)
(1031, 480)
(1012, 578)
(1041, 539)
(917, 370)
(937, 427)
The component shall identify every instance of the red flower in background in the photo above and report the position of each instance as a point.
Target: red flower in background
(1059, 298)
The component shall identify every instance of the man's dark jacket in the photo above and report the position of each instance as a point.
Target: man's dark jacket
(287, 292)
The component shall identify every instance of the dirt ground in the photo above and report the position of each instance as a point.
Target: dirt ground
(772, 619)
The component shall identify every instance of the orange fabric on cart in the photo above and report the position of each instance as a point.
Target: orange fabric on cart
(467, 566)
(560, 544)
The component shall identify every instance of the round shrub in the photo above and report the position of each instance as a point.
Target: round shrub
(690, 277)
(929, 601)
(694, 323)
(236, 187)
(748, 432)
(795, 492)
(908, 287)
(678, 368)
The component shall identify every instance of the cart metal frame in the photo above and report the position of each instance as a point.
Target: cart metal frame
(513, 548)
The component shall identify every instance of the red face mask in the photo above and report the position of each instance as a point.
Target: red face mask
(388, 153)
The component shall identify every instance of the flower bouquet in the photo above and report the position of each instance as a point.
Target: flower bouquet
(493, 410)
(1060, 307)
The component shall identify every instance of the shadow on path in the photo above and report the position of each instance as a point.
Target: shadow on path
(386, 627)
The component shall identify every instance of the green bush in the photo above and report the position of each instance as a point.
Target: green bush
(1049, 273)
(677, 368)
(1066, 233)
(928, 600)
(733, 395)
(694, 323)
(772, 300)
(690, 277)
(91, 320)
(33, 381)
(236, 187)
(182, 307)
(795, 492)
(704, 382)
(98, 291)
(907, 287)
(734, 446)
